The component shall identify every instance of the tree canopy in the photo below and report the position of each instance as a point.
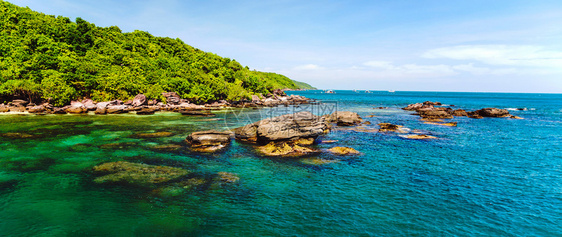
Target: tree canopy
(51, 58)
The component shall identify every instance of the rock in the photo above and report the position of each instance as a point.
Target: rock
(255, 98)
(117, 109)
(57, 110)
(76, 108)
(515, 117)
(208, 141)
(460, 113)
(420, 137)
(139, 100)
(119, 145)
(152, 135)
(303, 141)
(345, 118)
(4, 108)
(101, 108)
(415, 106)
(147, 110)
(128, 102)
(317, 161)
(16, 135)
(474, 115)
(285, 127)
(36, 109)
(493, 112)
(89, 104)
(227, 178)
(452, 124)
(18, 109)
(136, 174)
(203, 113)
(22, 103)
(367, 123)
(432, 103)
(279, 92)
(285, 149)
(388, 127)
(172, 97)
(166, 147)
(343, 150)
(434, 114)
(329, 141)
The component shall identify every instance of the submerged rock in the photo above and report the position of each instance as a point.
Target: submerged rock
(343, 150)
(452, 124)
(227, 178)
(153, 135)
(388, 127)
(208, 141)
(283, 128)
(420, 137)
(317, 161)
(166, 147)
(204, 113)
(285, 149)
(135, 173)
(16, 135)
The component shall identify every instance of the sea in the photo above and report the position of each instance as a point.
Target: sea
(484, 177)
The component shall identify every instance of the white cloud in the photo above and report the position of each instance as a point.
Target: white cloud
(308, 67)
(379, 64)
(502, 55)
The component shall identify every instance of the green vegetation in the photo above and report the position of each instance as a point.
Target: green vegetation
(43, 57)
(303, 85)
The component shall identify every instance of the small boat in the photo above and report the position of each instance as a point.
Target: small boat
(367, 91)
(330, 92)
(391, 91)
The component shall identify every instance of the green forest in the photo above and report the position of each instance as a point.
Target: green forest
(51, 58)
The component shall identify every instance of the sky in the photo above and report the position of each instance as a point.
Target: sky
(407, 45)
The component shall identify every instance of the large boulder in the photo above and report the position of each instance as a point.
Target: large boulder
(36, 109)
(434, 114)
(89, 104)
(20, 102)
(136, 174)
(285, 127)
(101, 108)
(345, 118)
(117, 109)
(139, 100)
(4, 108)
(172, 97)
(76, 108)
(208, 141)
(460, 113)
(493, 112)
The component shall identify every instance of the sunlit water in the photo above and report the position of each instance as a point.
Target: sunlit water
(493, 176)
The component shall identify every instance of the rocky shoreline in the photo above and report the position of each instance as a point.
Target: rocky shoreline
(143, 106)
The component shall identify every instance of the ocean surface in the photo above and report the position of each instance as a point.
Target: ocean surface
(485, 177)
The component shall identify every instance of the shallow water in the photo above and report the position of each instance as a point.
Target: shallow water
(492, 176)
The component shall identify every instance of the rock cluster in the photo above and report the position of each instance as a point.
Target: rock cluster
(142, 106)
(429, 112)
(283, 128)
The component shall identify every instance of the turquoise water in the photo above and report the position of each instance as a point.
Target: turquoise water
(493, 176)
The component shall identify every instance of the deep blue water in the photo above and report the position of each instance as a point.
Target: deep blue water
(491, 177)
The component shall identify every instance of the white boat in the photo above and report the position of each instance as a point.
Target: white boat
(391, 91)
(330, 92)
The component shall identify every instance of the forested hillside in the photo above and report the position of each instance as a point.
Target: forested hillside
(51, 58)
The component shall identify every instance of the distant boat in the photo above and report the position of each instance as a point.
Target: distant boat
(391, 91)
(354, 90)
(367, 91)
(330, 92)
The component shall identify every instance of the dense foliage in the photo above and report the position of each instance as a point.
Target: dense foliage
(43, 57)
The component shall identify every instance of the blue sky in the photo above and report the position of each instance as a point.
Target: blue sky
(495, 46)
